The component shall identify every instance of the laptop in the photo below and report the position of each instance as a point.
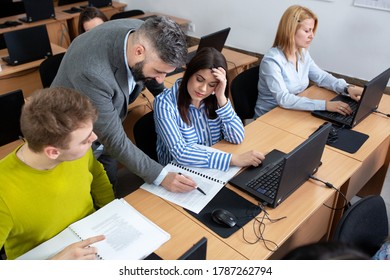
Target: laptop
(215, 40)
(26, 45)
(99, 3)
(38, 10)
(281, 174)
(11, 104)
(197, 252)
(368, 103)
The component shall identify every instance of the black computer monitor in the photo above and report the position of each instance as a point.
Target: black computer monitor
(99, 3)
(67, 2)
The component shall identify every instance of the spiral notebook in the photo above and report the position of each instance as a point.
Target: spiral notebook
(129, 235)
(211, 181)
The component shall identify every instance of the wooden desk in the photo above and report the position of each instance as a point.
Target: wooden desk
(374, 154)
(24, 76)
(73, 19)
(56, 28)
(308, 220)
(184, 232)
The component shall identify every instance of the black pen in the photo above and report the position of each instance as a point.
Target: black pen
(199, 189)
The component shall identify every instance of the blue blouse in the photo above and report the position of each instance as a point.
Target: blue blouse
(280, 82)
(176, 139)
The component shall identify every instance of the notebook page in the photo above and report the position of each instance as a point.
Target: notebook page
(129, 235)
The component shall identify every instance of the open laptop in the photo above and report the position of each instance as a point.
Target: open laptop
(281, 174)
(197, 252)
(11, 104)
(38, 10)
(368, 103)
(215, 40)
(26, 45)
(99, 3)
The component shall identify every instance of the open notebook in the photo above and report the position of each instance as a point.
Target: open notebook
(211, 181)
(129, 235)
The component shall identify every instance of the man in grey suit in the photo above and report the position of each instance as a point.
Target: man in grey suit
(109, 64)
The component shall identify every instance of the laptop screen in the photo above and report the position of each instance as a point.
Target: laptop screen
(28, 44)
(38, 10)
(214, 40)
(11, 104)
(99, 3)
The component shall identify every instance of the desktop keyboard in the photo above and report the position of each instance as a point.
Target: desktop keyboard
(268, 180)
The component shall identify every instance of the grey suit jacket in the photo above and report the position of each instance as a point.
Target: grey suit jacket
(94, 64)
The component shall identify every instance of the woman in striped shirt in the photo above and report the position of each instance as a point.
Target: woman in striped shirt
(196, 110)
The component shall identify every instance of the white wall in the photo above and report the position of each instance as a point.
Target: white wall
(350, 40)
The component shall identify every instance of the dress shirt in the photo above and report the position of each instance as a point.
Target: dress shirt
(176, 139)
(280, 82)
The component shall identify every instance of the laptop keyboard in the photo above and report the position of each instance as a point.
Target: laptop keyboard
(267, 182)
(348, 118)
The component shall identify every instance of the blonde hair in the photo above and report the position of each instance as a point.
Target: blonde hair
(289, 23)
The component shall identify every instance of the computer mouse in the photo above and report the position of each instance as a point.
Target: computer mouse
(333, 135)
(224, 217)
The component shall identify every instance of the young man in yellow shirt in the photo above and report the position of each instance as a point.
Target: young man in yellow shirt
(53, 179)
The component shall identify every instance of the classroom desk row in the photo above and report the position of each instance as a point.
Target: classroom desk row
(308, 214)
(63, 29)
(309, 217)
(26, 76)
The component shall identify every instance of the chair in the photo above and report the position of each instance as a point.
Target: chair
(145, 136)
(48, 69)
(127, 14)
(11, 104)
(364, 224)
(244, 93)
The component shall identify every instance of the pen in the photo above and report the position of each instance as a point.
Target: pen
(199, 189)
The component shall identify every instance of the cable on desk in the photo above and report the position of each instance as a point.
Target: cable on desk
(329, 185)
(259, 231)
(149, 105)
(379, 112)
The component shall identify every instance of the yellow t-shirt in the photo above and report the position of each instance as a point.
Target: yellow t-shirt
(36, 205)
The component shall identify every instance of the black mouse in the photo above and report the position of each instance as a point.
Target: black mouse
(333, 135)
(224, 217)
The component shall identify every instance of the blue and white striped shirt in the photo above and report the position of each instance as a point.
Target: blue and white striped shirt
(176, 139)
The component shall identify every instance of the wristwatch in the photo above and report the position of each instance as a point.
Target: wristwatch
(346, 89)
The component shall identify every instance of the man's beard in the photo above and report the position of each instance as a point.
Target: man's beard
(137, 71)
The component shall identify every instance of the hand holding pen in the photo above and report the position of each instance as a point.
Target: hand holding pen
(199, 189)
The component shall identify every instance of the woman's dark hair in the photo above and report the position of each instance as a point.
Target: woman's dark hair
(206, 58)
(87, 14)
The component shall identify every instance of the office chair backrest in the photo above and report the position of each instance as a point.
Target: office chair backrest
(49, 68)
(145, 136)
(11, 104)
(364, 224)
(127, 14)
(244, 92)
